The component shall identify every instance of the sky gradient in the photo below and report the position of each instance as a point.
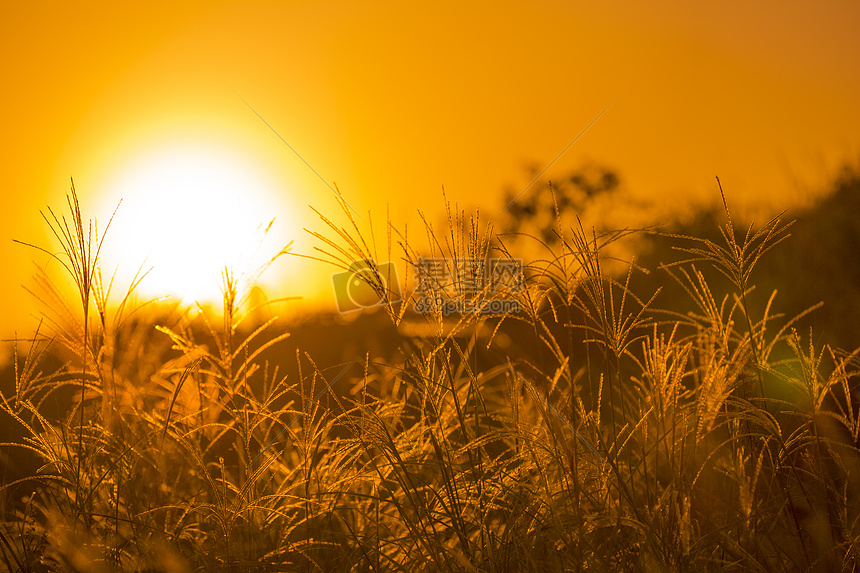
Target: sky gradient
(391, 101)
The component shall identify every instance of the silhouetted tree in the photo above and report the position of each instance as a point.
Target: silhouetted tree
(532, 211)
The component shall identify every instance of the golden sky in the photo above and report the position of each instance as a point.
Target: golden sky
(392, 100)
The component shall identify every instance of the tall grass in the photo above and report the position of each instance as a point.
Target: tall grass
(592, 430)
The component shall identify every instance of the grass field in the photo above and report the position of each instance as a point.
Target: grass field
(589, 430)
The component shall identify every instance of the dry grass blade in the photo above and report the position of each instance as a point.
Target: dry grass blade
(736, 260)
(543, 439)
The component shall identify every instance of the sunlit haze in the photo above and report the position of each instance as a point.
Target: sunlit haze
(211, 118)
(353, 285)
(185, 212)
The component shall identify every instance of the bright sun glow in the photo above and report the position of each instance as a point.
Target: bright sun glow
(186, 212)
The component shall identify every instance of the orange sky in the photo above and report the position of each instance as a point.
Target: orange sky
(392, 100)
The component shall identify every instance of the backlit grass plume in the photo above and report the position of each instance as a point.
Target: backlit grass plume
(583, 428)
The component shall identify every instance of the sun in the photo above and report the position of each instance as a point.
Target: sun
(187, 211)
